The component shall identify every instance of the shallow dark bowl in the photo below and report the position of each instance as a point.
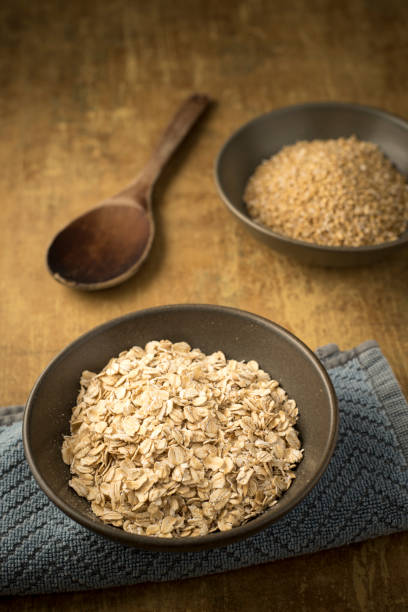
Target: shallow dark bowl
(241, 336)
(266, 135)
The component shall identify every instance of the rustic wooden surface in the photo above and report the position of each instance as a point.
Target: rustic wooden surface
(85, 89)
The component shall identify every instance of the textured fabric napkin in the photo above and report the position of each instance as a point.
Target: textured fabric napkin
(363, 494)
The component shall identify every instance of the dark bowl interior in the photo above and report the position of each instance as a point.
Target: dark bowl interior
(241, 336)
(266, 135)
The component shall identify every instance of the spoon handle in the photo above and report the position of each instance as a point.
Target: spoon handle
(176, 131)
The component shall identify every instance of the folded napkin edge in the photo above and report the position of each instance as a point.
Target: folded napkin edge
(382, 379)
(389, 393)
(10, 414)
(331, 356)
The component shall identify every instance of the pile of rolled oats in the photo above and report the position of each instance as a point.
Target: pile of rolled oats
(167, 441)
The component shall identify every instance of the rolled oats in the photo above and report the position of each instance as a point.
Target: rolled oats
(167, 441)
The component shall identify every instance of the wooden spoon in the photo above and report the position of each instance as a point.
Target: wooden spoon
(108, 244)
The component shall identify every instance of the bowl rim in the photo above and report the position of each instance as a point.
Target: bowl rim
(257, 227)
(215, 539)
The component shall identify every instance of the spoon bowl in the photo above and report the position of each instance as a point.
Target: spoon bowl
(107, 245)
(112, 239)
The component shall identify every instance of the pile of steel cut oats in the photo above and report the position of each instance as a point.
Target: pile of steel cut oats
(338, 192)
(167, 441)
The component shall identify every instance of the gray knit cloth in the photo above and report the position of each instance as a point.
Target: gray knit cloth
(363, 494)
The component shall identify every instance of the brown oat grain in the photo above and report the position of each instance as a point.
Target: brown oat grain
(340, 192)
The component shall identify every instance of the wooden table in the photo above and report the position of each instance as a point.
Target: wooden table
(86, 88)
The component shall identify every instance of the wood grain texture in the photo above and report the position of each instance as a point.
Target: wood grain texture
(85, 90)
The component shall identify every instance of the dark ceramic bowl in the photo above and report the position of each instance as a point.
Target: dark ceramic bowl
(241, 336)
(266, 135)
